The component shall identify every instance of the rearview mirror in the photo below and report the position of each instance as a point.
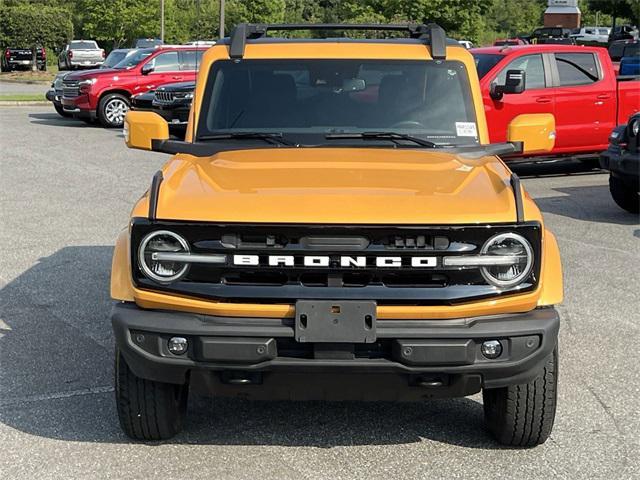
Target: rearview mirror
(515, 82)
(142, 129)
(536, 132)
(147, 68)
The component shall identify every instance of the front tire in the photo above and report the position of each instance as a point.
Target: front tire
(523, 415)
(625, 196)
(112, 109)
(148, 410)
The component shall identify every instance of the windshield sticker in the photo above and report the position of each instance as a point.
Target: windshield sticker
(466, 129)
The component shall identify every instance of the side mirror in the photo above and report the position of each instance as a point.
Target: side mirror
(147, 68)
(141, 129)
(536, 132)
(515, 82)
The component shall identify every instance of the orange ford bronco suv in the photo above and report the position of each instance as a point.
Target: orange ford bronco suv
(336, 226)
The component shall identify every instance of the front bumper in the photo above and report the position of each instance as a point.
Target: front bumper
(411, 351)
(622, 163)
(79, 105)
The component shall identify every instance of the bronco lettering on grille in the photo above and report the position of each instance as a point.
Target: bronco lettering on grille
(335, 261)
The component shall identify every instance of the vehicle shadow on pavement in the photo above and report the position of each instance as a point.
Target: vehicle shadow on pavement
(56, 371)
(55, 120)
(555, 168)
(591, 203)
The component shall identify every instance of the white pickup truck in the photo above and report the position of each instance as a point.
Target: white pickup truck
(80, 54)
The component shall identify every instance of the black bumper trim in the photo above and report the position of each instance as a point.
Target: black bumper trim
(513, 329)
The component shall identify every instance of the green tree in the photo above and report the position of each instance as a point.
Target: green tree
(34, 25)
(627, 9)
(119, 22)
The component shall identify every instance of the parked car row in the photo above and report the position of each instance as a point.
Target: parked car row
(106, 94)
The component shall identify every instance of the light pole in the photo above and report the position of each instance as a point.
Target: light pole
(162, 20)
(221, 27)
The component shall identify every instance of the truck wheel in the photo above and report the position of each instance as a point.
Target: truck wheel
(625, 196)
(112, 109)
(522, 415)
(148, 410)
(61, 111)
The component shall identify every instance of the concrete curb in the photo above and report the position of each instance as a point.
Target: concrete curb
(23, 103)
(28, 82)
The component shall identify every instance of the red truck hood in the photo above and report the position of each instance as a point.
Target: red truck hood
(97, 72)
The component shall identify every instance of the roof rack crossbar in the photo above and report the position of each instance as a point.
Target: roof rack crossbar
(432, 34)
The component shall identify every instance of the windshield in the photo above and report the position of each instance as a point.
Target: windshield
(134, 59)
(485, 62)
(83, 45)
(632, 50)
(315, 98)
(114, 58)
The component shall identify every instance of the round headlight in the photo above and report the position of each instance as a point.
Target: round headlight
(158, 242)
(509, 273)
(635, 127)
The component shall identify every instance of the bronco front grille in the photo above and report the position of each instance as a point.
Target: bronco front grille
(402, 284)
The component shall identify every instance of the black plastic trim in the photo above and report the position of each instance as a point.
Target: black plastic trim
(517, 193)
(154, 192)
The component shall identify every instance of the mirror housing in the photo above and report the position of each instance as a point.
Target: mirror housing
(515, 82)
(142, 128)
(147, 68)
(536, 132)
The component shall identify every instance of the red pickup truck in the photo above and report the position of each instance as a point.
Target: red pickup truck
(576, 84)
(105, 94)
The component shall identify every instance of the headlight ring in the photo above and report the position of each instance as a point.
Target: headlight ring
(165, 241)
(510, 275)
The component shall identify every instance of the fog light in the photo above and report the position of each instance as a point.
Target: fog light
(491, 349)
(178, 345)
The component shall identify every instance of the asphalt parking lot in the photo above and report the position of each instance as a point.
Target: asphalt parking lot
(66, 190)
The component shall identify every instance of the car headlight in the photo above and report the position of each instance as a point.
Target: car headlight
(188, 96)
(634, 127)
(155, 259)
(89, 81)
(511, 271)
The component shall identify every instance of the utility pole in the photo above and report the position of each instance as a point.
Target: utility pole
(162, 20)
(221, 27)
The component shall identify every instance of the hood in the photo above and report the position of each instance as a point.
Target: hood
(178, 87)
(96, 72)
(335, 186)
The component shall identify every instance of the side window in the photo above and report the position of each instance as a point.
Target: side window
(166, 62)
(189, 58)
(533, 67)
(576, 68)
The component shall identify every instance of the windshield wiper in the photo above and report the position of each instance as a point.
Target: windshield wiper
(392, 136)
(273, 138)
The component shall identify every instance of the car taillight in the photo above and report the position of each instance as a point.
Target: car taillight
(70, 53)
(44, 53)
(7, 53)
(103, 54)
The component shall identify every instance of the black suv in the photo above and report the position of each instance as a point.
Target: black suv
(622, 159)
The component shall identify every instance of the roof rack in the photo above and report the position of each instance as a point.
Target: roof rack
(432, 34)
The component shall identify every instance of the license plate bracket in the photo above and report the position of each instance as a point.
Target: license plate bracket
(328, 321)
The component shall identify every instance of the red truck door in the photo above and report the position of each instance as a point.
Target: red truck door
(536, 98)
(585, 102)
(166, 69)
